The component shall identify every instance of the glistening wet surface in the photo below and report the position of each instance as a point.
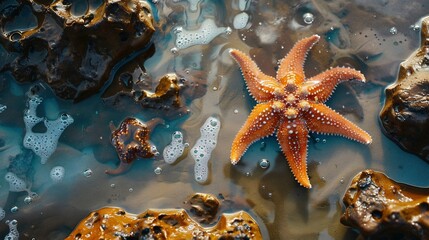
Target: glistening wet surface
(192, 39)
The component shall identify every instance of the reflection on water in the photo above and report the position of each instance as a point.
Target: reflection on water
(357, 34)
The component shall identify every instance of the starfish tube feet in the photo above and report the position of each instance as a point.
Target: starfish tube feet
(322, 119)
(321, 86)
(292, 137)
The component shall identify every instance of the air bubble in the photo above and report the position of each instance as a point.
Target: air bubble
(14, 209)
(157, 170)
(264, 163)
(308, 18)
(28, 200)
(87, 173)
(174, 50)
(393, 30)
(415, 27)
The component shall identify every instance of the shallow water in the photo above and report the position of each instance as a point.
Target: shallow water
(354, 33)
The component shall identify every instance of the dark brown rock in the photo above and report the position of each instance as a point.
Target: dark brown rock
(405, 115)
(379, 207)
(75, 55)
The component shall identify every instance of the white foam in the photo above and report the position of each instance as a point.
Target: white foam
(16, 184)
(2, 213)
(240, 20)
(57, 173)
(207, 32)
(2, 108)
(43, 144)
(175, 149)
(203, 148)
(13, 230)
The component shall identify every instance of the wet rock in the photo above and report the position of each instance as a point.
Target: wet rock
(111, 222)
(405, 115)
(379, 207)
(170, 96)
(132, 141)
(75, 54)
(203, 207)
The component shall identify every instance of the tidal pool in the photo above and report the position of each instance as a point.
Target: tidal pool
(371, 36)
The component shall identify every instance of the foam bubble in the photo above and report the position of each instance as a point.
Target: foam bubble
(203, 148)
(13, 230)
(207, 32)
(240, 20)
(57, 173)
(43, 144)
(175, 149)
(16, 184)
(2, 213)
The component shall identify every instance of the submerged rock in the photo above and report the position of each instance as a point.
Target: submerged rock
(74, 55)
(380, 207)
(203, 206)
(170, 95)
(112, 222)
(405, 115)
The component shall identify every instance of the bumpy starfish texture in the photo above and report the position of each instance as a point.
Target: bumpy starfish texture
(293, 105)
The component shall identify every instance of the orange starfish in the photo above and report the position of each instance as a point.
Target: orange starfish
(293, 105)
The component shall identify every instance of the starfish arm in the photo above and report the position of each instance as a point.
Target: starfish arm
(261, 86)
(294, 60)
(322, 119)
(321, 86)
(292, 137)
(262, 122)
